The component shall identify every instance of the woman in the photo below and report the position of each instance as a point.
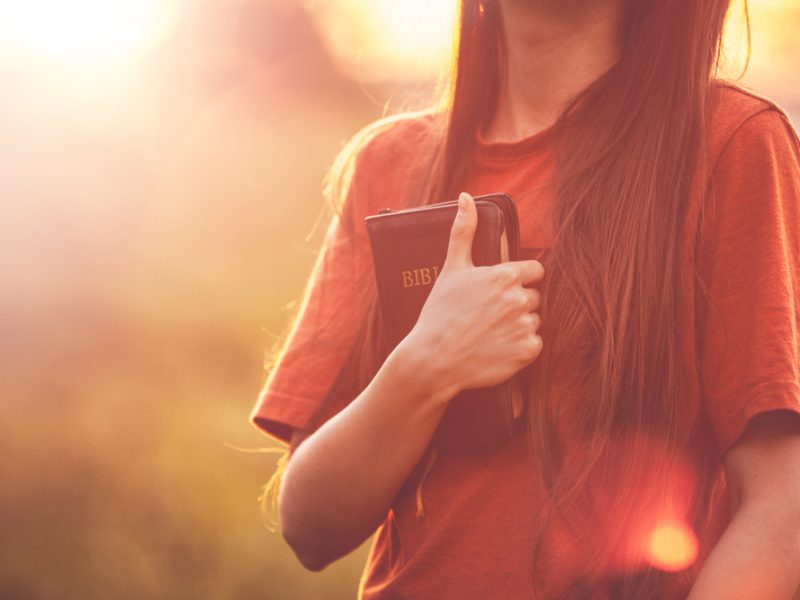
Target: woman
(658, 331)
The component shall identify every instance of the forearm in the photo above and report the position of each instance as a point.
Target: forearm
(758, 556)
(340, 481)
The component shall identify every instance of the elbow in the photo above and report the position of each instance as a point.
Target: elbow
(297, 527)
(306, 544)
(308, 553)
(317, 547)
(306, 525)
(312, 564)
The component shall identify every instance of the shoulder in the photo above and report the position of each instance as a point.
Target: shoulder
(755, 162)
(392, 139)
(382, 160)
(741, 119)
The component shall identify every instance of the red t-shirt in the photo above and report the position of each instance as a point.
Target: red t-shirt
(474, 539)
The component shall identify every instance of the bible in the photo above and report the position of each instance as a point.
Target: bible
(409, 247)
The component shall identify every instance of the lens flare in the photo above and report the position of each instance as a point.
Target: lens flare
(672, 547)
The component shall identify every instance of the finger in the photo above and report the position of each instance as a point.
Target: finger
(537, 321)
(533, 321)
(462, 233)
(534, 298)
(531, 271)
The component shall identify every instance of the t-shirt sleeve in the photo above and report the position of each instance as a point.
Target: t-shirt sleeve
(750, 359)
(325, 326)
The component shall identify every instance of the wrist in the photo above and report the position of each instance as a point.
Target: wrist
(424, 370)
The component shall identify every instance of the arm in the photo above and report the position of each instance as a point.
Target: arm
(758, 556)
(341, 481)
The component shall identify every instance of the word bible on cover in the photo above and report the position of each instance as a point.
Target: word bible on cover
(409, 247)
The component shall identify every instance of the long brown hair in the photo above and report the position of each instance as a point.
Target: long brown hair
(627, 150)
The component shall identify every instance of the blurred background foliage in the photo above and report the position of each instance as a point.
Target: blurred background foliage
(160, 210)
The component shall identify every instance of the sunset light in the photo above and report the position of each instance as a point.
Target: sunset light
(409, 38)
(672, 547)
(84, 31)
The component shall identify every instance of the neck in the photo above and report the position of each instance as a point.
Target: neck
(554, 49)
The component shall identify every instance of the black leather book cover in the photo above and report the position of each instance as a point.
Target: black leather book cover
(409, 247)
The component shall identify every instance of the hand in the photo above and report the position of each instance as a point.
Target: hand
(478, 326)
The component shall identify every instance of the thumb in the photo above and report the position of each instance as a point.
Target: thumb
(459, 249)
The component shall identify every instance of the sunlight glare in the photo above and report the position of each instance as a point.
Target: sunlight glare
(82, 30)
(415, 28)
(384, 38)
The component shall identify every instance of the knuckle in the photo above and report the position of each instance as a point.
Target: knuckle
(496, 275)
(526, 323)
(536, 344)
(511, 302)
(521, 301)
(506, 274)
(531, 348)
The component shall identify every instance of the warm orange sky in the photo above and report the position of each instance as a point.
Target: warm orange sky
(370, 38)
(412, 36)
